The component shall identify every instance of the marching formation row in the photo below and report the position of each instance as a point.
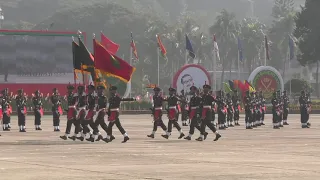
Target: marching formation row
(89, 110)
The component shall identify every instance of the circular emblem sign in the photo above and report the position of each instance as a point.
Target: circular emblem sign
(266, 79)
(189, 75)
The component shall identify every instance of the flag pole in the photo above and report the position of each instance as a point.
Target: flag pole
(265, 51)
(130, 65)
(239, 64)
(158, 66)
(289, 71)
(186, 57)
(214, 69)
(74, 70)
(94, 65)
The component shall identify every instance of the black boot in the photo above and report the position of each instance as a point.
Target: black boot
(91, 139)
(187, 138)
(151, 136)
(181, 136)
(64, 137)
(125, 139)
(218, 136)
(100, 137)
(199, 139)
(165, 136)
(205, 135)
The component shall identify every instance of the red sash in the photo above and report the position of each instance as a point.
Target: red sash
(89, 114)
(204, 112)
(24, 111)
(81, 112)
(172, 113)
(239, 108)
(192, 113)
(60, 110)
(225, 110)
(1, 115)
(113, 114)
(41, 112)
(100, 113)
(157, 114)
(71, 113)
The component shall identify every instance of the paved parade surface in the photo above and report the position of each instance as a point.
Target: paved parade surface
(290, 153)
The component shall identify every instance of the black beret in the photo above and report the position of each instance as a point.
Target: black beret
(193, 88)
(20, 90)
(206, 86)
(90, 86)
(37, 91)
(70, 87)
(172, 89)
(156, 89)
(101, 87)
(113, 88)
(80, 87)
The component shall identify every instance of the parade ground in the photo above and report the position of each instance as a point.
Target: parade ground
(290, 153)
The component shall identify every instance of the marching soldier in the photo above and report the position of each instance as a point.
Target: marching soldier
(38, 109)
(56, 109)
(113, 113)
(214, 106)
(183, 104)
(285, 100)
(157, 112)
(257, 107)
(206, 114)
(230, 110)
(80, 98)
(221, 110)
(99, 115)
(236, 107)
(248, 110)
(308, 108)
(303, 110)
(71, 111)
(6, 109)
(275, 111)
(254, 110)
(173, 113)
(263, 107)
(280, 109)
(194, 113)
(21, 102)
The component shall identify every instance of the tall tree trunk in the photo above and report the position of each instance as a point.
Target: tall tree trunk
(317, 79)
(230, 71)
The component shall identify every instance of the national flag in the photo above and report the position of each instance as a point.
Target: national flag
(291, 47)
(236, 84)
(161, 47)
(240, 50)
(266, 45)
(110, 64)
(86, 59)
(189, 47)
(134, 49)
(216, 47)
(249, 86)
(231, 85)
(108, 44)
(227, 88)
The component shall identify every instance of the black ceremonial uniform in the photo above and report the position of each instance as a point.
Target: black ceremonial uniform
(38, 111)
(286, 101)
(263, 106)
(157, 112)
(275, 112)
(56, 110)
(173, 114)
(6, 110)
(280, 104)
(221, 110)
(206, 114)
(113, 113)
(230, 110)
(184, 113)
(303, 110)
(308, 108)
(236, 107)
(248, 110)
(21, 102)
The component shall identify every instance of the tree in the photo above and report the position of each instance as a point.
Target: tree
(281, 8)
(307, 33)
(226, 29)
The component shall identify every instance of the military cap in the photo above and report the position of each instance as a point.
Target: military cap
(20, 90)
(193, 88)
(90, 86)
(80, 87)
(37, 91)
(5, 89)
(156, 89)
(70, 87)
(100, 87)
(172, 89)
(206, 86)
(113, 88)
(54, 89)
(284, 91)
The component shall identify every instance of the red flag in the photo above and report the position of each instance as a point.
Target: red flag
(134, 49)
(109, 45)
(110, 64)
(161, 47)
(267, 47)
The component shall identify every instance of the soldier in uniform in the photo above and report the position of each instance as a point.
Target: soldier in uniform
(303, 110)
(6, 109)
(183, 104)
(173, 113)
(257, 107)
(38, 109)
(253, 110)
(275, 111)
(99, 115)
(280, 102)
(194, 113)
(263, 107)
(285, 100)
(113, 113)
(236, 107)
(248, 110)
(308, 96)
(230, 110)
(221, 110)
(213, 109)
(71, 111)
(80, 98)
(206, 114)
(21, 102)
(157, 112)
(56, 109)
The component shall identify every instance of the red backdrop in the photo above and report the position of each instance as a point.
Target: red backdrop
(31, 88)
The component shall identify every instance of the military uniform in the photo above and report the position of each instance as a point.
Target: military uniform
(71, 112)
(230, 110)
(280, 102)
(221, 110)
(236, 107)
(303, 110)
(6, 109)
(308, 108)
(113, 113)
(285, 100)
(173, 113)
(38, 110)
(195, 113)
(157, 112)
(248, 110)
(21, 102)
(99, 115)
(275, 112)
(183, 105)
(80, 104)
(56, 109)
(206, 114)
(257, 110)
(263, 107)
